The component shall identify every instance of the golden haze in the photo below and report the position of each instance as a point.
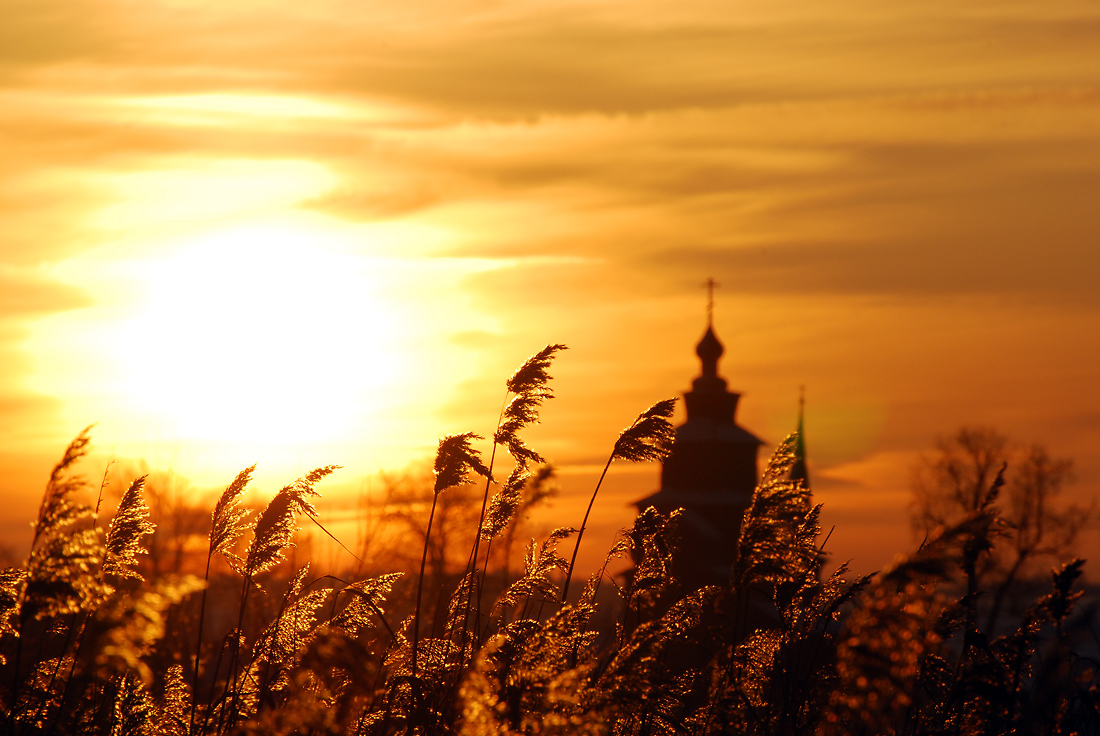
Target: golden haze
(326, 233)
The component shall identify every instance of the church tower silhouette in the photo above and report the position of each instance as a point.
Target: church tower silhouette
(710, 473)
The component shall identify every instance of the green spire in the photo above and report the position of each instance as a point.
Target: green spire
(798, 469)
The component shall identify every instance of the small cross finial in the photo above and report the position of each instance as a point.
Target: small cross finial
(710, 283)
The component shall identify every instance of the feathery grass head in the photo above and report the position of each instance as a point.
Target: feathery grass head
(530, 386)
(57, 510)
(1061, 599)
(366, 601)
(280, 643)
(228, 521)
(62, 574)
(521, 411)
(273, 533)
(77, 449)
(64, 556)
(13, 581)
(455, 460)
(777, 541)
(503, 506)
(123, 542)
(275, 528)
(538, 565)
(531, 377)
(649, 437)
(302, 489)
(176, 703)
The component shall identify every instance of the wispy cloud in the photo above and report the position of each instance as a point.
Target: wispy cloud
(25, 292)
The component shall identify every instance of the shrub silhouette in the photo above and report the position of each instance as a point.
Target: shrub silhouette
(88, 646)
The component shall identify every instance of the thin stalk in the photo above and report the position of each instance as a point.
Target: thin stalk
(43, 707)
(599, 580)
(15, 680)
(472, 567)
(584, 524)
(369, 602)
(198, 644)
(265, 682)
(234, 663)
(99, 499)
(72, 671)
(419, 594)
(214, 683)
(480, 588)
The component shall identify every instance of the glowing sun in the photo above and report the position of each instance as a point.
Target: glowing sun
(255, 333)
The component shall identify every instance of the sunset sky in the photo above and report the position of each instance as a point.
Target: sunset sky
(296, 234)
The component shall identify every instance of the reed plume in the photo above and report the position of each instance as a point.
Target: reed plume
(275, 529)
(280, 645)
(173, 717)
(13, 581)
(133, 711)
(272, 535)
(123, 542)
(530, 386)
(649, 437)
(229, 521)
(66, 556)
(779, 529)
(455, 460)
(57, 511)
(367, 599)
(539, 563)
(503, 506)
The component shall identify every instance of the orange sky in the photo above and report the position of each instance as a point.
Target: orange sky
(309, 233)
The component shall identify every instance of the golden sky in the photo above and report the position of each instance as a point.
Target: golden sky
(309, 233)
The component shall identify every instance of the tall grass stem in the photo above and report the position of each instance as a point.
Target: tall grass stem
(580, 533)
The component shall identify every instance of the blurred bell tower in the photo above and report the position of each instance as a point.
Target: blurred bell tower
(710, 473)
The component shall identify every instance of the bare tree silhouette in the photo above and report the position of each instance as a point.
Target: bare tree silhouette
(1041, 524)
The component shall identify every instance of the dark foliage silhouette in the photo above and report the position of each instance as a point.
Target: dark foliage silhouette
(91, 642)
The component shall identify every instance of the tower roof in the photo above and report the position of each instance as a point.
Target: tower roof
(711, 471)
(709, 351)
(710, 403)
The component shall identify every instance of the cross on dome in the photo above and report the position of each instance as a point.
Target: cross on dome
(710, 283)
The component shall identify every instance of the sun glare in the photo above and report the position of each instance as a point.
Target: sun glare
(254, 334)
(228, 319)
(253, 342)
